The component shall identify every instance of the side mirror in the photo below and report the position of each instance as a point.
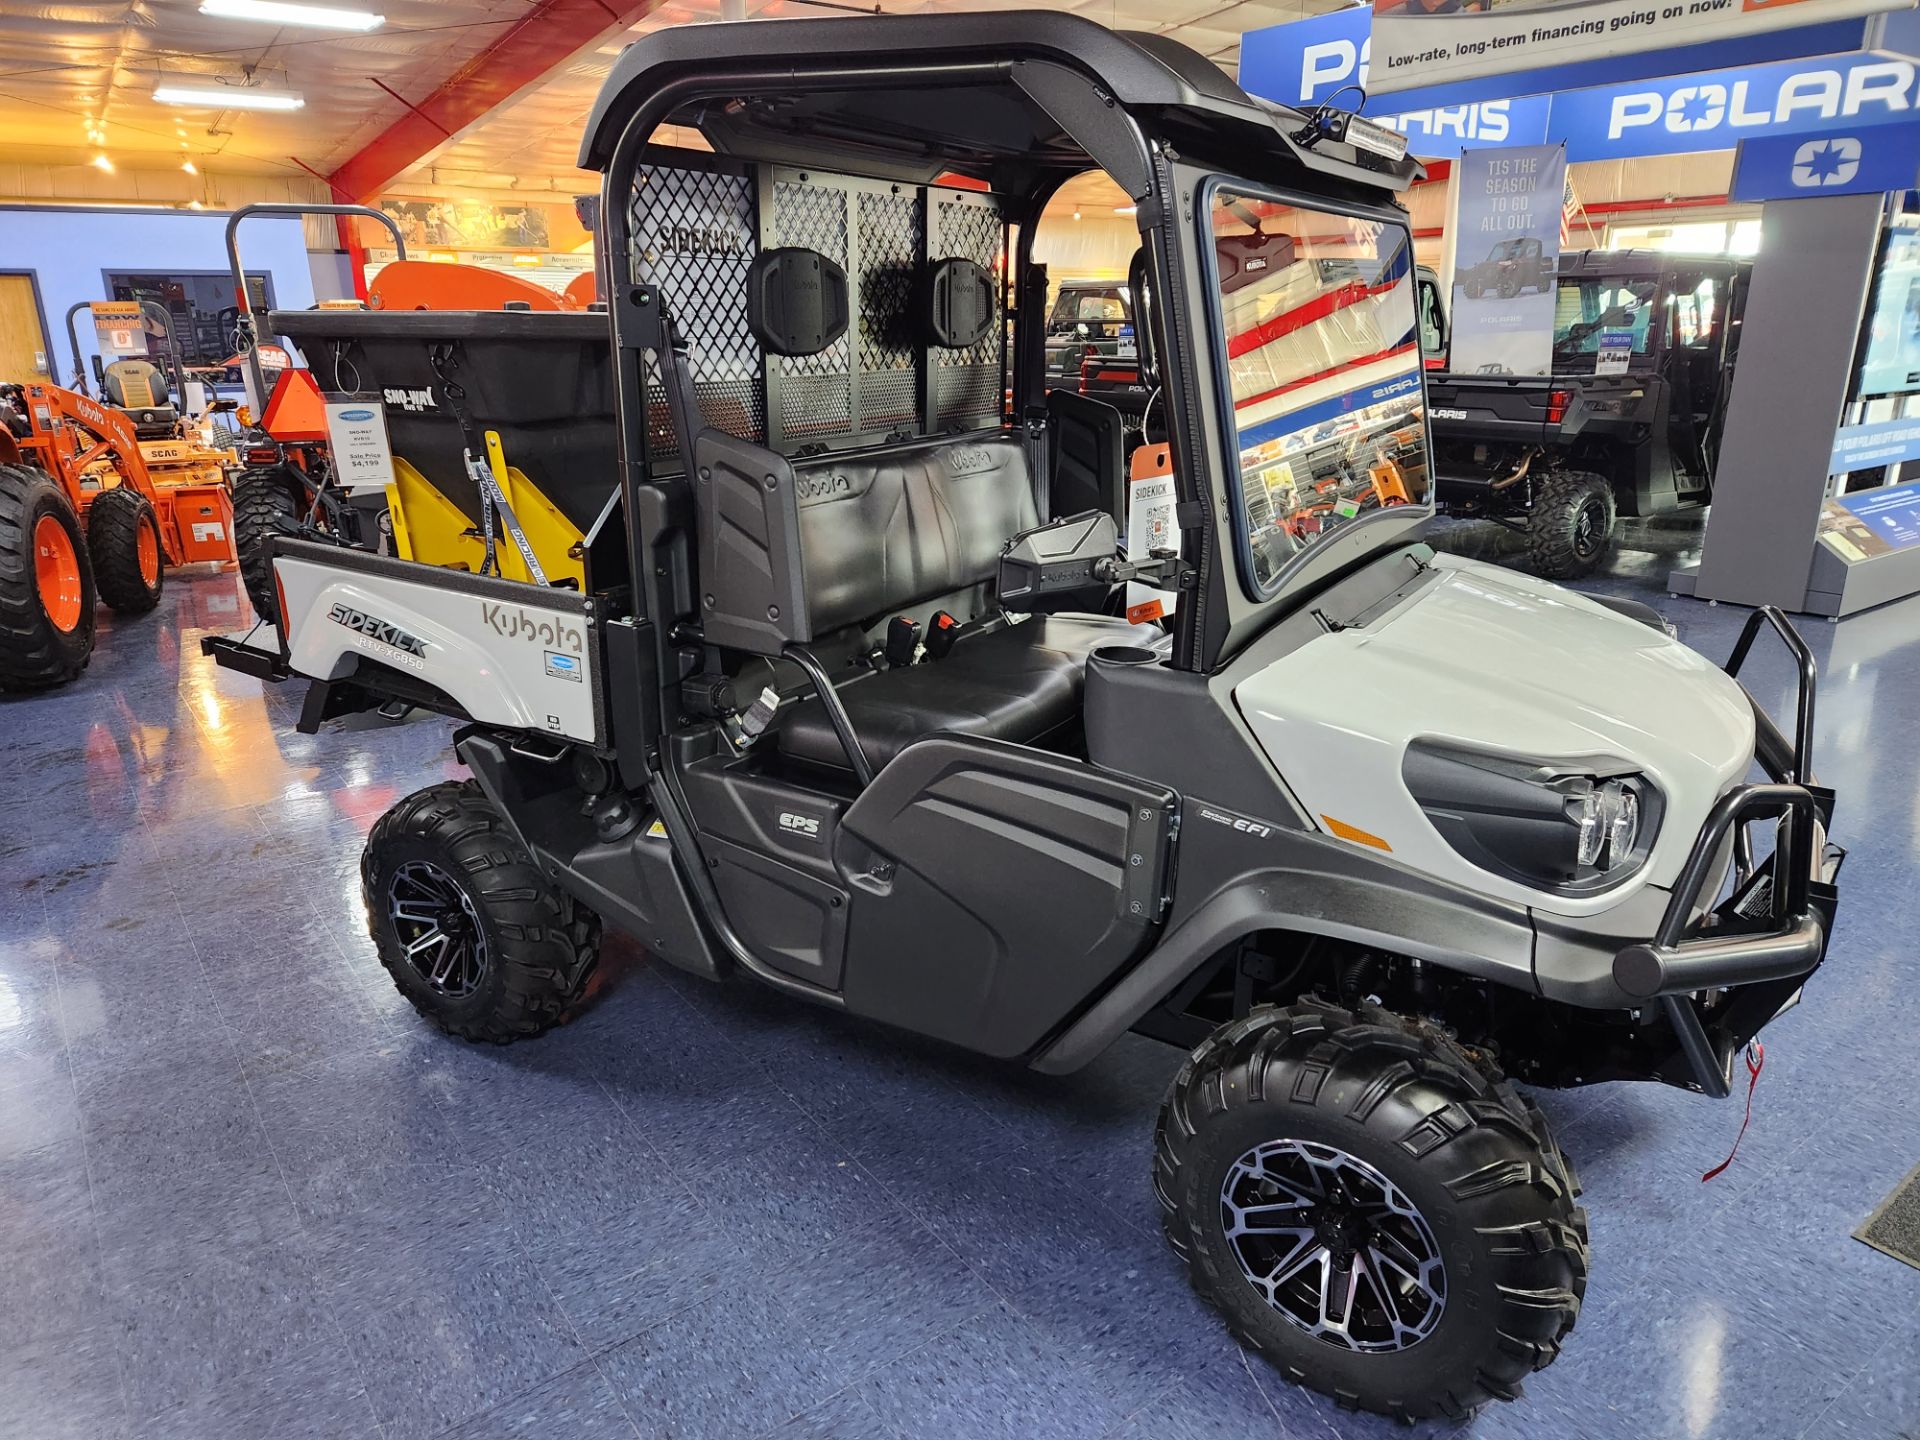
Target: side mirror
(1145, 322)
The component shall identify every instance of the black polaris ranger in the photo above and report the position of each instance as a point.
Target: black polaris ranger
(1090, 321)
(1628, 423)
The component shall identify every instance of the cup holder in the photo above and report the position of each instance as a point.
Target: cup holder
(1125, 655)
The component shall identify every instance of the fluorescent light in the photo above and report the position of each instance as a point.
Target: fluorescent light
(1126, 209)
(323, 17)
(189, 167)
(227, 97)
(101, 162)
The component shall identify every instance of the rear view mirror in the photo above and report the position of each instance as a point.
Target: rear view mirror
(1145, 328)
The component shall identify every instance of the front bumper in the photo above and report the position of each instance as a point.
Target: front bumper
(1721, 975)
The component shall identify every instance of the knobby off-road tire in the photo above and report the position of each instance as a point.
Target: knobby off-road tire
(123, 539)
(1462, 1167)
(266, 502)
(443, 857)
(46, 634)
(1571, 525)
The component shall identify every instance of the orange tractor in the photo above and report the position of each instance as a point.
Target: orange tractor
(96, 501)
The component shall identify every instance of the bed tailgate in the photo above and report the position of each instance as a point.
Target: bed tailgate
(503, 652)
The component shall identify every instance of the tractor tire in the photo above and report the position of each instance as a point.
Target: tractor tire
(1571, 525)
(1403, 1231)
(265, 502)
(123, 540)
(46, 583)
(474, 935)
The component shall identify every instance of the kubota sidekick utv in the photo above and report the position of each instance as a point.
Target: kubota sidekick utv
(1369, 829)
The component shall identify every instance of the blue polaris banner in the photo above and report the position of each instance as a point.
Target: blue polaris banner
(1507, 242)
(1883, 442)
(1873, 160)
(1305, 62)
(1719, 109)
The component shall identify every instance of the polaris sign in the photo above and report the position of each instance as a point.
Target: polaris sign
(1308, 61)
(1719, 109)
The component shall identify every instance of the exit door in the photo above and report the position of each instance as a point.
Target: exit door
(24, 353)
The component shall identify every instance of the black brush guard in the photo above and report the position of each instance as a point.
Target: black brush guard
(1723, 976)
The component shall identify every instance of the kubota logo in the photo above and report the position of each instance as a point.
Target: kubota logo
(549, 632)
(373, 628)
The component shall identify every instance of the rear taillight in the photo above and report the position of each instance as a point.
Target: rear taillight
(1557, 403)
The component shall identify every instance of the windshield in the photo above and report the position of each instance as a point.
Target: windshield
(1588, 308)
(1514, 249)
(1089, 307)
(1316, 316)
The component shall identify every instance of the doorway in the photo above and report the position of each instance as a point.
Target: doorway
(24, 352)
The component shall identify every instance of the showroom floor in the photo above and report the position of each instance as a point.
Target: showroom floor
(245, 1193)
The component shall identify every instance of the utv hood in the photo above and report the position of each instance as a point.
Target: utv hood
(1498, 661)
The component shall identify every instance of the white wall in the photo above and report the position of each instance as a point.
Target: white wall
(68, 249)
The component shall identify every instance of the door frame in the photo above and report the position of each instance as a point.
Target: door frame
(40, 305)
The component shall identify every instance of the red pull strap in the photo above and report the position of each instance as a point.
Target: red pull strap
(1756, 1058)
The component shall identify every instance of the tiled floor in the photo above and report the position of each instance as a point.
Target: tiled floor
(244, 1193)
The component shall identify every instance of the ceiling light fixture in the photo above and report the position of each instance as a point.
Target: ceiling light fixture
(101, 162)
(227, 97)
(189, 167)
(321, 17)
(1126, 209)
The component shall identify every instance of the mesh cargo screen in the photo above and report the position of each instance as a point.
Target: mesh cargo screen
(695, 230)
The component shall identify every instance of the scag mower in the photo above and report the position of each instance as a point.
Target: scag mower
(838, 705)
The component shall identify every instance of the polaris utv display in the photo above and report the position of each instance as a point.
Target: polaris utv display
(1512, 267)
(1089, 322)
(845, 703)
(1628, 423)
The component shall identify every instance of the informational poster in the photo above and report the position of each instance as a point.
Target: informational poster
(1614, 353)
(1506, 252)
(120, 328)
(1425, 42)
(1871, 523)
(1892, 363)
(357, 436)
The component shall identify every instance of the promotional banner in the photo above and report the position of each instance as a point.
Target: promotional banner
(119, 327)
(1507, 225)
(1421, 42)
(1749, 93)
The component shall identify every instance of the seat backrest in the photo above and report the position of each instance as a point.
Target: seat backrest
(134, 385)
(883, 530)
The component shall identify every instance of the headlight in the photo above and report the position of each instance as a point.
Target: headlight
(1576, 828)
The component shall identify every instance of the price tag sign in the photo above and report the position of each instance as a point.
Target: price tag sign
(357, 435)
(1615, 352)
(118, 326)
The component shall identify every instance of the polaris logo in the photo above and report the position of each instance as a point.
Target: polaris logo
(550, 632)
(1237, 822)
(412, 401)
(807, 826)
(383, 631)
(1441, 412)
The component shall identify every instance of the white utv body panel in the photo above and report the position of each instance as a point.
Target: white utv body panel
(1498, 661)
(508, 653)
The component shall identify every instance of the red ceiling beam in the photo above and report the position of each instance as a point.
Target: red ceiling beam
(549, 35)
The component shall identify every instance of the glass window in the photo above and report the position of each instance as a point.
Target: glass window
(1693, 316)
(1587, 306)
(201, 309)
(1317, 322)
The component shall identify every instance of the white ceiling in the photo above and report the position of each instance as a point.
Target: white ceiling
(68, 67)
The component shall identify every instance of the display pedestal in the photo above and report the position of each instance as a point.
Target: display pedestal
(1801, 327)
